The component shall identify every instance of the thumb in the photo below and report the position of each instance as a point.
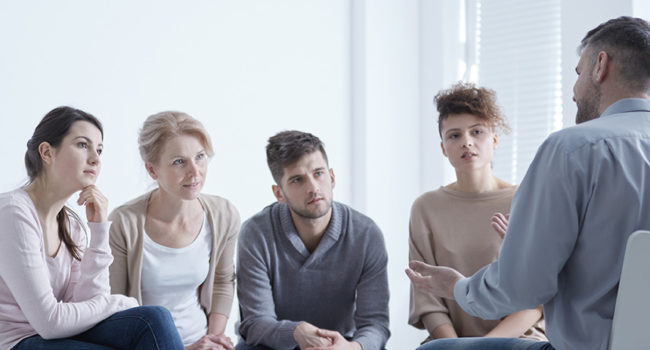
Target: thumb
(418, 266)
(327, 333)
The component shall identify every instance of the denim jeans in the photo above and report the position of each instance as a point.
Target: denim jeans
(243, 346)
(144, 327)
(486, 344)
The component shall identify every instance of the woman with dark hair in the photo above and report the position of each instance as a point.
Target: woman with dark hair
(54, 285)
(451, 226)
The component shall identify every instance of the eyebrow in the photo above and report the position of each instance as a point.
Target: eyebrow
(471, 126)
(89, 141)
(197, 153)
(300, 175)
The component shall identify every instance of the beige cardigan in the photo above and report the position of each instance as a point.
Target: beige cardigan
(126, 241)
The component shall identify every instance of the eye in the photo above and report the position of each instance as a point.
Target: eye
(82, 144)
(453, 136)
(318, 173)
(178, 162)
(477, 132)
(295, 180)
(99, 151)
(200, 156)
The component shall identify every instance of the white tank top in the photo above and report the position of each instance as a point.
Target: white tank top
(171, 278)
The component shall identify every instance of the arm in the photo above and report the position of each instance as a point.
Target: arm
(23, 270)
(223, 288)
(371, 314)
(259, 323)
(516, 324)
(426, 309)
(543, 227)
(119, 281)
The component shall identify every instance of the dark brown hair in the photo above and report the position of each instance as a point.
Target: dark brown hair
(287, 147)
(627, 43)
(467, 98)
(52, 129)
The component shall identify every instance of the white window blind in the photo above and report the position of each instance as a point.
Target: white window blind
(518, 54)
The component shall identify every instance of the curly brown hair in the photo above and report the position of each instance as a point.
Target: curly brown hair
(467, 98)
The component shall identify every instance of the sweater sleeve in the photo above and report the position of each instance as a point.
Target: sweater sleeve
(371, 314)
(223, 289)
(26, 275)
(118, 244)
(259, 322)
(425, 310)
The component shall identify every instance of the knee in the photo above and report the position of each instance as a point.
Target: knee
(156, 315)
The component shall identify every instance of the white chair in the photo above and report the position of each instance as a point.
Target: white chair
(630, 324)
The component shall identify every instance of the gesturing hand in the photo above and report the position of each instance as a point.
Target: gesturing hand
(437, 280)
(338, 342)
(95, 202)
(500, 223)
(306, 336)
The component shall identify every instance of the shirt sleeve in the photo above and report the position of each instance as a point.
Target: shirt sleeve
(259, 323)
(24, 271)
(423, 305)
(542, 233)
(371, 314)
(224, 279)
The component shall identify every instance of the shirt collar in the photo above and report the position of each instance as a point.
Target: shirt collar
(627, 105)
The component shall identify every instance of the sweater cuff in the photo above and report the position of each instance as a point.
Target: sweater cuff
(460, 294)
(285, 334)
(434, 320)
(99, 234)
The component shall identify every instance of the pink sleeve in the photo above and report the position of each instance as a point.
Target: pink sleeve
(24, 272)
(89, 277)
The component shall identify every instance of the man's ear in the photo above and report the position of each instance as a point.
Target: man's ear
(602, 66)
(442, 147)
(332, 177)
(46, 151)
(277, 192)
(151, 170)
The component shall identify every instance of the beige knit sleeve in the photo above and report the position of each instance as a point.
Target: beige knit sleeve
(425, 310)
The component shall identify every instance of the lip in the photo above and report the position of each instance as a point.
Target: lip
(90, 172)
(192, 185)
(315, 200)
(468, 155)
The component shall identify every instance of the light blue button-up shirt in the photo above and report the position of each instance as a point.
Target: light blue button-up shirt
(586, 191)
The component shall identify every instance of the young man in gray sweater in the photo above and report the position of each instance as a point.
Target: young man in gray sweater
(311, 272)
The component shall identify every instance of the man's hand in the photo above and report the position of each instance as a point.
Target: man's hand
(338, 342)
(437, 280)
(500, 223)
(306, 335)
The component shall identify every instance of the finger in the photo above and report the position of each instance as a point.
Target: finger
(419, 266)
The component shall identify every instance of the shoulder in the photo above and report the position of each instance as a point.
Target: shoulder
(358, 222)
(132, 209)
(260, 224)
(218, 205)
(16, 203)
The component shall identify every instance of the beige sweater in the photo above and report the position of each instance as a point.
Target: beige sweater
(126, 241)
(452, 228)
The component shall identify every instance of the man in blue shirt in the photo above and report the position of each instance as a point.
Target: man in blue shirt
(586, 191)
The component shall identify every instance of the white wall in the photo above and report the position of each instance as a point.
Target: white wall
(359, 74)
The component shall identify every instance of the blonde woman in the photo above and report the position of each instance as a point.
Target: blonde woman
(451, 226)
(174, 246)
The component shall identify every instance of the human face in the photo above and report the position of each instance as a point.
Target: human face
(181, 167)
(468, 141)
(586, 93)
(75, 162)
(306, 187)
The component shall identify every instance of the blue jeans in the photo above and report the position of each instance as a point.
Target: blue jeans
(486, 344)
(144, 327)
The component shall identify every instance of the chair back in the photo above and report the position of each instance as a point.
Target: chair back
(632, 311)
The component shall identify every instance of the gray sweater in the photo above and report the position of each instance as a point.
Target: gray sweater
(341, 286)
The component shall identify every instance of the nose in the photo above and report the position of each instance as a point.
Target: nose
(313, 185)
(467, 141)
(93, 158)
(192, 169)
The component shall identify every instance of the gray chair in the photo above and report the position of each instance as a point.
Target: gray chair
(630, 324)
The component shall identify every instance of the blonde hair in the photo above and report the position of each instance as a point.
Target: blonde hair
(158, 128)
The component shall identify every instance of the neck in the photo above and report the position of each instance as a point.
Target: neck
(611, 93)
(311, 231)
(477, 181)
(48, 199)
(165, 207)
